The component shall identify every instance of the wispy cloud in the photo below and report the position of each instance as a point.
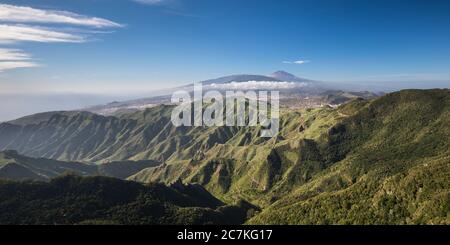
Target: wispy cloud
(13, 55)
(19, 14)
(149, 2)
(297, 62)
(15, 58)
(9, 65)
(26, 24)
(17, 33)
(169, 7)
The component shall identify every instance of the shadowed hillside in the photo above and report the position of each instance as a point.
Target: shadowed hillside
(101, 200)
(14, 166)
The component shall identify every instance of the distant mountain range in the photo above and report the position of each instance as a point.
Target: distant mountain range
(293, 91)
(278, 76)
(286, 76)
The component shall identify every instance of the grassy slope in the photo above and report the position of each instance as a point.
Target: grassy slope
(245, 166)
(332, 166)
(392, 162)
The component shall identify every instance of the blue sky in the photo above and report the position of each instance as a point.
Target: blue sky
(132, 46)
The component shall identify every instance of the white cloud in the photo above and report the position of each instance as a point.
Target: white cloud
(149, 2)
(13, 55)
(15, 27)
(167, 3)
(19, 14)
(15, 58)
(300, 62)
(13, 30)
(16, 33)
(255, 85)
(8, 65)
(297, 62)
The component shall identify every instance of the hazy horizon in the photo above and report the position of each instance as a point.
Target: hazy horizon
(63, 55)
(32, 103)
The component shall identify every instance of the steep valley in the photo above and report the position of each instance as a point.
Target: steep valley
(378, 161)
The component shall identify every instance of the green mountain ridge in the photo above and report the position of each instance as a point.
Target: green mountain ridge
(390, 165)
(14, 166)
(331, 166)
(379, 161)
(101, 200)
